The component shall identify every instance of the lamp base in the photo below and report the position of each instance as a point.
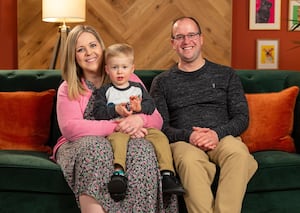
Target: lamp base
(59, 45)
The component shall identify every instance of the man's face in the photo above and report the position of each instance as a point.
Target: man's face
(187, 40)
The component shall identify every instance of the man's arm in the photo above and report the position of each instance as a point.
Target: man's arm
(237, 110)
(159, 95)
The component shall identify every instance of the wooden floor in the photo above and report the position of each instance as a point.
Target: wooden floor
(145, 24)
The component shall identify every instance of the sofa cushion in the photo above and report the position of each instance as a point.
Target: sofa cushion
(271, 117)
(30, 171)
(278, 170)
(25, 120)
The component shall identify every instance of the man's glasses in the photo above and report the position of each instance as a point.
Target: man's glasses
(191, 36)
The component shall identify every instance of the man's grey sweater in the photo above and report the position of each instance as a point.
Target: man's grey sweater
(211, 97)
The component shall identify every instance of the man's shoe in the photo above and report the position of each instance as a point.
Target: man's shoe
(171, 185)
(117, 186)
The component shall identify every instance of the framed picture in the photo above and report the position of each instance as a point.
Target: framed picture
(267, 53)
(264, 14)
(294, 15)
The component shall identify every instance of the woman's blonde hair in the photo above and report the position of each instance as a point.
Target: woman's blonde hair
(72, 73)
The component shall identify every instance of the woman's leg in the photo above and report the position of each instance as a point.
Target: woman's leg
(87, 165)
(144, 193)
(89, 205)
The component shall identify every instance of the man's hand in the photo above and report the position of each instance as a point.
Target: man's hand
(204, 138)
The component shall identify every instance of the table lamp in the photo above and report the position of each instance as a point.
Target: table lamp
(62, 11)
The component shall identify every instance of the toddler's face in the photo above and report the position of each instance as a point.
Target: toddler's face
(119, 69)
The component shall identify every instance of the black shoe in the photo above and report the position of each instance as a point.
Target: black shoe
(117, 186)
(171, 185)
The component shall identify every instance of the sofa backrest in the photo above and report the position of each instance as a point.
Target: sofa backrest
(254, 81)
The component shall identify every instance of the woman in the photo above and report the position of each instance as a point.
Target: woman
(83, 152)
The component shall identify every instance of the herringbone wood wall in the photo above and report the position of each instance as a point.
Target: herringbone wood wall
(145, 24)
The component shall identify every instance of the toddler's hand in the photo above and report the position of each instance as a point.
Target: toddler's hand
(140, 134)
(135, 103)
(122, 110)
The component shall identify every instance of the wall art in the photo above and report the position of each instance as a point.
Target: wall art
(264, 14)
(294, 15)
(267, 53)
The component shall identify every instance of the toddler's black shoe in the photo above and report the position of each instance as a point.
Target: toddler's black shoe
(170, 184)
(117, 186)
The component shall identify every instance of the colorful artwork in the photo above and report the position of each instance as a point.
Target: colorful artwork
(294, 15)
(264, 14)
(267, 53)
(267, 56)
(265, 11)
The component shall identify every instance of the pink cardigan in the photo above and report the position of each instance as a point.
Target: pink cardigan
(72, 124)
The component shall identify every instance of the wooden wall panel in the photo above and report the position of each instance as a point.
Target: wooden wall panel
(144, 24)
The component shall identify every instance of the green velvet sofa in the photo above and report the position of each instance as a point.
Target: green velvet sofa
(30, 182)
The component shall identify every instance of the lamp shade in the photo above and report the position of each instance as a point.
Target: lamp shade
(63, 11)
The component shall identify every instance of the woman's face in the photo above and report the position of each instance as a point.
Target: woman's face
(88, 53)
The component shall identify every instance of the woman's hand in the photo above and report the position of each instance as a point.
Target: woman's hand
(131, 125)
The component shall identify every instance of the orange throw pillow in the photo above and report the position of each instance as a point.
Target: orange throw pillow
(25, 120)
(271, 119)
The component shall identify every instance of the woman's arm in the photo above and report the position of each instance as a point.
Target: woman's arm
(70, 117)
(150, 121)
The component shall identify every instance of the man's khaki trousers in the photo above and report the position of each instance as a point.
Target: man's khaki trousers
(197, 170)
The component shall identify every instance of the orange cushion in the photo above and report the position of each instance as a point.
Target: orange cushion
(25, 120)
(271, 118)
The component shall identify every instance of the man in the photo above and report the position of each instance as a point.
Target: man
(204, 110)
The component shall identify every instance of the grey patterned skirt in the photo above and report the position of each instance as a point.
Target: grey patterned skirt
(87, 165)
